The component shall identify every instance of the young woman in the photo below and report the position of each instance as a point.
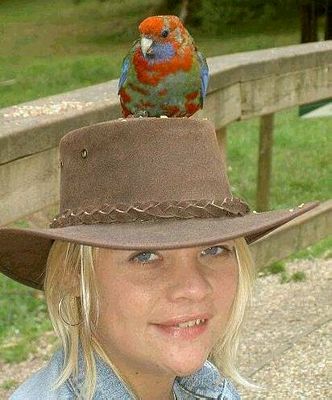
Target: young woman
(146, 268)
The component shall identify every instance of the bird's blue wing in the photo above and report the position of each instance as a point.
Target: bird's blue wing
(124, 71)
(204, 74)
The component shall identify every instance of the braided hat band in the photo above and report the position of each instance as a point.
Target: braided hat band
(153, 210)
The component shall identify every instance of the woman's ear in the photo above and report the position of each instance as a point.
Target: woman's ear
(72, 285)
(76, 291)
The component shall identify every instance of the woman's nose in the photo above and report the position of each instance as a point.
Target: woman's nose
(189, 280)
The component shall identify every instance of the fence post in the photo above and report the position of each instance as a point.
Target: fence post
(264, 162)
(222, 141)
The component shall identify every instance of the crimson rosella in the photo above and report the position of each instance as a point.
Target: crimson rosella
(163, 73)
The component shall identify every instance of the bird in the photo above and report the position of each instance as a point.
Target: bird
(163, 74)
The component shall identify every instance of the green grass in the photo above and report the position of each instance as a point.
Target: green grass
(62, 46)
(9, 384)
(23, 316)
(298, 276)
(273, 269)
(279, 268)
(301, 167)
(321, 249)
(52, 47)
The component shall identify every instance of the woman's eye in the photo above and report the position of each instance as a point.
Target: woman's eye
(144, 257)
(217, 250)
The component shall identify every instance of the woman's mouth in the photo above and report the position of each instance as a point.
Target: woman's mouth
(189, 324)
(188, 330)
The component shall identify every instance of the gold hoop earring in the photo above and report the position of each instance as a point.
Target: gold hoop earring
(61, 316)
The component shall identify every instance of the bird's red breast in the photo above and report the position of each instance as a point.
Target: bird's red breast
(152, 74)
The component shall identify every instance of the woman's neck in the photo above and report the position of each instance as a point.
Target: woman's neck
(140, 385)
(147, 388)
(144, 386)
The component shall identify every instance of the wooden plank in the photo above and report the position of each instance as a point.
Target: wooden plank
(264, 162)
(222, 106)
(251, 65)
(38, 125)
(28, 184)
(281, 91)
(293, 236)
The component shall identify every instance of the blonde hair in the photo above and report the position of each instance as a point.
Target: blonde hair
(70, 277)
(224, 353)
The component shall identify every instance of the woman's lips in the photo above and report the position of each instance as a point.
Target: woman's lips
(190, 332)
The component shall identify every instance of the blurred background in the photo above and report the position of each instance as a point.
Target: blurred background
(48, 47)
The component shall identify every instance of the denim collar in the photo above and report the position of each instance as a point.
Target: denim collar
(206, 383)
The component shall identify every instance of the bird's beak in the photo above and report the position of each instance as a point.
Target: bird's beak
(146, 44)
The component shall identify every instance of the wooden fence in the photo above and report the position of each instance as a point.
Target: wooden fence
(243, 85)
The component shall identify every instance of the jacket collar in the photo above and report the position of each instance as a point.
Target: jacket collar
(206, 383)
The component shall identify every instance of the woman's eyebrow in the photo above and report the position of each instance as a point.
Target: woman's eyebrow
(198, 248)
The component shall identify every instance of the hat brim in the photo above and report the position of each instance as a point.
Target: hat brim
(24, 252)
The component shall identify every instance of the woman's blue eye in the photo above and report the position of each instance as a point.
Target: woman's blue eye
(215, 252)
(143, 257)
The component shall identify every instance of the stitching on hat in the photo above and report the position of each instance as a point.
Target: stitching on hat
(152, 210)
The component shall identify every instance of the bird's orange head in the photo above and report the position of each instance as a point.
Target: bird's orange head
(163, 28)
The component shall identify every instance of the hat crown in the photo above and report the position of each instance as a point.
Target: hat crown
(141, 160)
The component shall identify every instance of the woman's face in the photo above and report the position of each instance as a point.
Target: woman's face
(144, 295)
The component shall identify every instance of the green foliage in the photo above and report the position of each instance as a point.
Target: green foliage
(298, 276)
(23, 317)
(321, 249)
(308, 139)
(21, 223)
(218, 16)
(9, 384)
(284, 277)
(276, 268)
(63, 46)
(279, 267)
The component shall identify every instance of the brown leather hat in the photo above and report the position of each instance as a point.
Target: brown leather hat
(145, 183)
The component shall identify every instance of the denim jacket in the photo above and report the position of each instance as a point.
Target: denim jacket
(206, 383)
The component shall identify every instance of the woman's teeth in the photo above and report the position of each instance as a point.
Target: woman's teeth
(189, 324)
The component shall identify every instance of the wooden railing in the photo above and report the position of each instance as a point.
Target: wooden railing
(243, 85)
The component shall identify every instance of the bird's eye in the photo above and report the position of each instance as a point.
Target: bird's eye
(165, 33)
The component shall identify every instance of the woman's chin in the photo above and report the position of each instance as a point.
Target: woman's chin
(186, 366)
(188, 370)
